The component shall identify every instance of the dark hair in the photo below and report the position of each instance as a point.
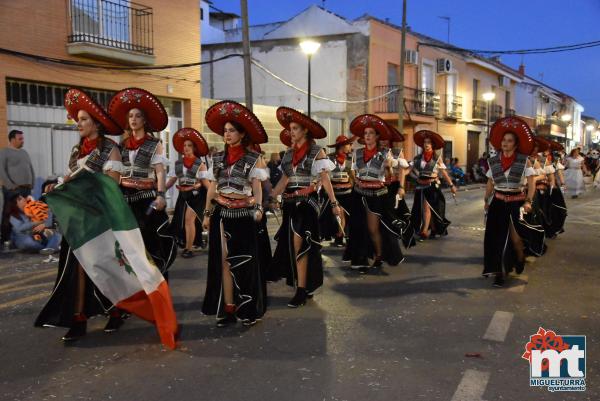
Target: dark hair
(147, 128)
(101, 134)
(572, 152)
(240, 128)
(13, 208)
(12, 134)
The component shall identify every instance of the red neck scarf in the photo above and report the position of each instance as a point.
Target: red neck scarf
(188, 161)
(234, 153)
(134, 144)
(87, 147)
(427, 155)
(507, 161)
(369, 153)
(341, 158)
(299, 153)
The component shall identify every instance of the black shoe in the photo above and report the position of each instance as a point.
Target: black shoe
(499, 281)
(299, 299)
(249, 322)
(228, 320)
(77, 330)
(338, 242)
(186, 254)
(113, 324)
(520, 266)
(364, 269)
(377, 266)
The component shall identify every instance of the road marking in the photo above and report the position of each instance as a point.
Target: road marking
(28, 279)
(25, 287)
(24, 274)
(472, 386)
(499, 326)
(24, 300)
(523, 280)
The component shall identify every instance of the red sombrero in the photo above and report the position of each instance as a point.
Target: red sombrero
(227, 110)
(286, 138)
(342, 140)
(516, 126)
(136, 98)
(396, 135)
(256, 147)
(76, 99)
(542, 144)
(556, 146)
(437, 142)
(358, 125)
(286, 115)
(185, 134)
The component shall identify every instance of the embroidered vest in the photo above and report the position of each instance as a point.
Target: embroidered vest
(341, 173)
(301, 175)
(96, 159)
(141, 167)
(373, 169)
(427, 171)
(189, 178)
(515, 174)
(237, 175)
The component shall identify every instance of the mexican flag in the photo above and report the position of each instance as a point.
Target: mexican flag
(105, 237)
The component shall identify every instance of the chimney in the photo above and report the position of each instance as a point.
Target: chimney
(522, 69)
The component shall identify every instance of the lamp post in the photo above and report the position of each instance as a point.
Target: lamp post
(309, 47)
(565, 118)
(488, 97)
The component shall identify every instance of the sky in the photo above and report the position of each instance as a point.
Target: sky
(487, 25)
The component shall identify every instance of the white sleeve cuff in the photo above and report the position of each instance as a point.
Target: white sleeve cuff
(159, 159)
(321, 165)
(206, 175)
(440, 164)
(403, 163)
(113, 165)
(529, 171)
(260, 174)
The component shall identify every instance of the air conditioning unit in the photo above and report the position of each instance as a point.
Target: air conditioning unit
(503, 81)
(444, 65)
(411, 56)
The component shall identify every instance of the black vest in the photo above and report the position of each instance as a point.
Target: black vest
(189, 178)
(236, 176)
(96, 159)
(340, 174)
(301, 175)
(427, 171)
(515, 174)
(141, 167)
(374, 168)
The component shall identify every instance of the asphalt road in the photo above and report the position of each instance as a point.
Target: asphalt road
(400, 336)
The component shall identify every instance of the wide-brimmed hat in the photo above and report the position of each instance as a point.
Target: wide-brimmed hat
(342, 140)
(516, 126)
(286, 138)
(358, 125)
(136, 98)
(396, 135)
(76, 99)
(437, 142)
(556, 146)
(542, 144)
(286, 115)
(226, 111)
(190, 134)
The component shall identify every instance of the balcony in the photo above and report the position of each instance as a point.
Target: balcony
(510, 113)
(495, 112)
(550, 126)
(416, 101)
(451, 107)
(117, 30)
(479, 110)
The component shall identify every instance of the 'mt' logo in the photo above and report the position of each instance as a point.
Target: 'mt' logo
(554, 356)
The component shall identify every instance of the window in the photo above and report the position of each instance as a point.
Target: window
(8, 92)
(58, 97)
(177, 112)
(24, 96)
(201, 14)
(42, 95)
(507, 102)
(447, 149)
(33, 95)
(49, 100)
(475, 89)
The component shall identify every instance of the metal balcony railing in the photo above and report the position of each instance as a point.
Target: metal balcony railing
(495, 112)
(510, 112)
(416, 101)
(479, 110)
(451, 106)
(117, 24)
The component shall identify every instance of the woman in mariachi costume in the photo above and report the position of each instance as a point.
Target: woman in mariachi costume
(557, 207)
(429, 207)
(235, 288)
(507, 234)
(298, 253)
(542, 204)
(143, 179)
(392, 181)
(190, 175)
(75, 298)
(370, 206)
(342, 181)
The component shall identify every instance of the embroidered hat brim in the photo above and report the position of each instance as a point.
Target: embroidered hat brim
(287, 115)
(226, 111)
(358, 125)
(437, 142)
(516, 126)
(135, 98)
(190, 134)
(76, 100)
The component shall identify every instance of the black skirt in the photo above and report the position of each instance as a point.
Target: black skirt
(401, 212)
(243, 257)
(196, 200)
(159, 242)
(360, 246)
(327, 220)
(558, 212)
(302, 218)
(60, 308)
(264, 251)
(433, 196)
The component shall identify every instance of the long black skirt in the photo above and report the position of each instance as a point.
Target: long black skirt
(327, 220)
(360, 246)
(400, 210)
(243, 256)
(60, 308)
(159, 242)
(498, 251)
(558, 212)
(196, 200)
(536, 218)
(299, 218)
(264, 251)
(433, 196)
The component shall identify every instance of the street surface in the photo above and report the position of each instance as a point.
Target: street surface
(400, 336)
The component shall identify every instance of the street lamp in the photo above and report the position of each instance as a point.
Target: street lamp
(488, 97)
(309, 47)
